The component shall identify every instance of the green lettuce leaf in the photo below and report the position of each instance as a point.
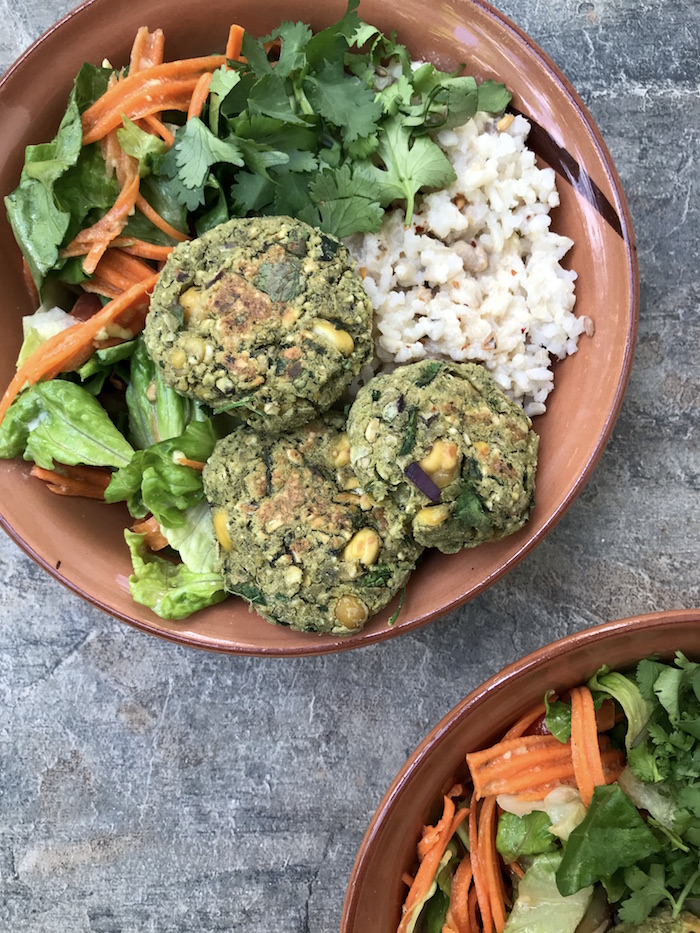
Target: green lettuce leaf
(524, 835)
(613, 835)
(61, 421)
(156, 412)
(195, 540)
(61, 182)
(155, 481)
(540, 906)
(172, 591)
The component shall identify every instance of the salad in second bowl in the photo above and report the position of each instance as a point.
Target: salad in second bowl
(292, 220)
(584, 817)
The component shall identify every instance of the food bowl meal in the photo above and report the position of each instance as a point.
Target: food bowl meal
(495, 730)
(400, 238)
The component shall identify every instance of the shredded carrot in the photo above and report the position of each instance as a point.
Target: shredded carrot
(432, 834)
(235, 43)
(478, 874)
(93, 241)
(153, 536)
(141, 248)
(585, 752)
(166, 86)
(147, 50)
(199, 96)
(75, 481)
(459, 896)
(525, 721)
(513, 764)
(489, 859)
(70, 348)
(193, 464)
(473, 904)
(407, 879)
(516, 869)
(159, 128)
(428, 867)
(158, 221)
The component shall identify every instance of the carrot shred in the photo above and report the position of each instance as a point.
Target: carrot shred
(166, 86)
(147, 50)
(488, 856)
(89, 482)
(159, 128)
(141, 248)
(478, 875)
(427, 868)
(199, 96)
(459, 896)
(473, 903)
(585, 751)
(152, 214)
(153, 536)
(526, 720)
(193, 464)
(29, 283)
(235, 43)
(70, 348)
(93, 241)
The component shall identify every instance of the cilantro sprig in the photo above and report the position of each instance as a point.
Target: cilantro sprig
(321, 133)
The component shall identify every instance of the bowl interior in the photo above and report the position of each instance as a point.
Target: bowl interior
(375, 892)
(81, 543)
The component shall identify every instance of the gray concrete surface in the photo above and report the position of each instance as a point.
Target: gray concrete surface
(146, 787)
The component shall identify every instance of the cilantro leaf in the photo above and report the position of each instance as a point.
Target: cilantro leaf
(345, 203)
(294, 38)
(409, 165)
(195, 150)
(647, 892)
(343, 101)
(269, 96)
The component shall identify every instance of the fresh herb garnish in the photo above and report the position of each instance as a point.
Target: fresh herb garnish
(314, 138)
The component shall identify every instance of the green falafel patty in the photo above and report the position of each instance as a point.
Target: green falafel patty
(444, 440)
(263, 313)
(297, 537)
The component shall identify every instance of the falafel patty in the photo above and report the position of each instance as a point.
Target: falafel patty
(444, 440)
(297, 536)
(263, 313)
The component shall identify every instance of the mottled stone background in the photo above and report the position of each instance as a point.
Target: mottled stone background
(146, 787)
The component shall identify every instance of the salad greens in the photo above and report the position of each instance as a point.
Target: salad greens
(332, 132)
(330, 128)
(637, 844)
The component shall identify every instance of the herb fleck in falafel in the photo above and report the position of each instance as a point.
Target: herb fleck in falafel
(262, 313)
(445, 441)
(298, 538)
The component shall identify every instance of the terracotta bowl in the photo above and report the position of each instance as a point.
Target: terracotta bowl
(376, 892)
(81, 543)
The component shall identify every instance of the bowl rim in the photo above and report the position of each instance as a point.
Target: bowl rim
(504, 679)
(364, 638)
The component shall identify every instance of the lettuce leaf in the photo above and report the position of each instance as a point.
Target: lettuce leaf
(613, 835)
(61, 421)
(156, 412)
(195, 540)
(172, 591)
(154, 481)
(61, 183)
